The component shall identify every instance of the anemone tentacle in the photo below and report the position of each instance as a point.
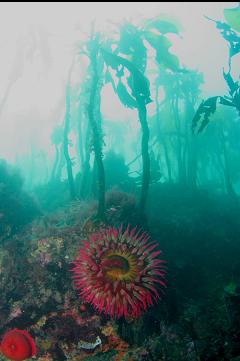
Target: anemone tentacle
(119, 272)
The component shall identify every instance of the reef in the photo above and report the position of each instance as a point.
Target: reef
(189, 323)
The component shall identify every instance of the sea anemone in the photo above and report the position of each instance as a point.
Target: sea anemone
(118, 272)
(18, 345)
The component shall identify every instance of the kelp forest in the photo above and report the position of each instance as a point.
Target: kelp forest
(122, 241)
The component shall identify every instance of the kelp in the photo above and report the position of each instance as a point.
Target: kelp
(163, 24)
(154, 32)
(206, 108)
(229, 35)
(65, 135)
(94, 116)
(132, 45)
(232, 17)
(138, 83)
(57, 140)
(128, 62)
(126, 99)
(140, 96)
(209, 106)
(161, 44)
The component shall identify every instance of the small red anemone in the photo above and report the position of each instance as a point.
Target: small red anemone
(18, 345)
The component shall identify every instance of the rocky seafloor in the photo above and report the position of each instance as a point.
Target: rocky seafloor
(197, 319)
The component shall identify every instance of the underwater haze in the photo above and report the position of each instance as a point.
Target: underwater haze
(120, 181)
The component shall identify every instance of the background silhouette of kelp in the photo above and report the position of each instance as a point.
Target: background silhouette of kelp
(17, 207)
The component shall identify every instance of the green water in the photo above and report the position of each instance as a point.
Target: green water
(120, 181)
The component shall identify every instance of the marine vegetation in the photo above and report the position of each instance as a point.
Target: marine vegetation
(95, 119)
(65, 136)
(117, 172)
(128, 63)
(118, 272)
(135, 162)
(17, 207)
(209, 106)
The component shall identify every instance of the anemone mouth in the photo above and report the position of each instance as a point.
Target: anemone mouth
(119, 266)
